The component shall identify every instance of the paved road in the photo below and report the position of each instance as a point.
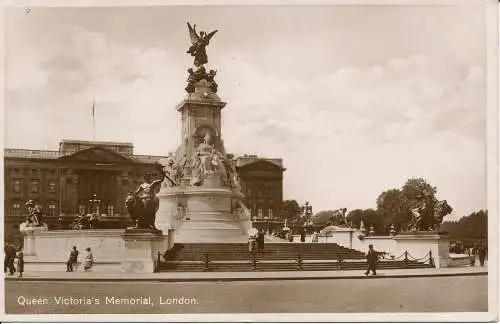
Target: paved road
(431, 294)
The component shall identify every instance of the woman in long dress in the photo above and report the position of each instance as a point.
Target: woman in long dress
(89, 260)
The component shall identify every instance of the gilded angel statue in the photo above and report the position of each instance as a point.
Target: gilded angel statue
(199, 44)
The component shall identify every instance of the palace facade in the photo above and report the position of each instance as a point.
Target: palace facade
(84, 177)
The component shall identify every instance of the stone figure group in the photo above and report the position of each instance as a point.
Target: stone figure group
(35, 212)
(200, 74)
(208, 161)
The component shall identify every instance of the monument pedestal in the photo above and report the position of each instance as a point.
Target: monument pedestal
(141, 249)
(202, 215)
(29, 233)
(420, 243)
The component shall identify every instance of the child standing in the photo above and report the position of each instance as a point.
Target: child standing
(20, 263)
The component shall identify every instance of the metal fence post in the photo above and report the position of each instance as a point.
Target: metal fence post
(406, 259)
(431, 260)
(299, 262)
(206, 262)
(157, 263)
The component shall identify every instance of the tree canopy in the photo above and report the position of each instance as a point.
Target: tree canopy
(471, 227)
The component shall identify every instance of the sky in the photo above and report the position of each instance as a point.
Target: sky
(354, 99)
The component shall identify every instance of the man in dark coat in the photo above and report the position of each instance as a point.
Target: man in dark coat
(303, 236)
(10, 254)
(73, 258)
(260, 241)
(372, 259)
(481, 251)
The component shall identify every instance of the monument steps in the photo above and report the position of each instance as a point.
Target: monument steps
(276, 257)
(286, 266)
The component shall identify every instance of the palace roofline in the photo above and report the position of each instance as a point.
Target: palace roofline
(96, 142)
(48, 154)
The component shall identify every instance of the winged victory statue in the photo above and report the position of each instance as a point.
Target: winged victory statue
(199, 44)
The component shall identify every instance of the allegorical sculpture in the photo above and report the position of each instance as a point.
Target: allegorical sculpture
(35, 213)
(199, 44)
(143, 204)
(208, 161)
(198, 50)
(428, 216)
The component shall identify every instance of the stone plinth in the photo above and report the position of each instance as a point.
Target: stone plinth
(29, 235)
(52, 248)
(141, 249)
(202, 215)
(417, 244)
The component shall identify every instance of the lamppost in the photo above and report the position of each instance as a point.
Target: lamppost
(308, 213)
(94, 203)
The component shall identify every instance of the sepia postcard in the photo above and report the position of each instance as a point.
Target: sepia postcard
(282, 161)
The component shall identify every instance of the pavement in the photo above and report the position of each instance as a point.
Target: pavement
(244, 276)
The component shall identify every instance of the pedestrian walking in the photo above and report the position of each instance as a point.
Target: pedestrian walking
(315, 237)
(473, 256)
(482, 254)
(73, 259)
(371, 259)
(10, 254)
(20, 263)
(260, 242)
(303, 236)
(252, 242)
(89, 260)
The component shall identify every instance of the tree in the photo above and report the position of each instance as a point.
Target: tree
(413, 206)
(323, 217)
(471, 227)
(355, 217)
(292, 212)
(392, 208)
(370, 217)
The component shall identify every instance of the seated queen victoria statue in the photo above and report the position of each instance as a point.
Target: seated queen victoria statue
(208, 161)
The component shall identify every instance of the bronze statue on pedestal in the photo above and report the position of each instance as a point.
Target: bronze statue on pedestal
(143, 204)
(199, 44)
(198, 50)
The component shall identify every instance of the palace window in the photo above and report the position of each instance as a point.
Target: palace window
(52, 209)
(16, 186)
(259, 213)
(16, 209)
(270, 213)
(81, 210)
(52, 187)
(111, 210)
(35, 186)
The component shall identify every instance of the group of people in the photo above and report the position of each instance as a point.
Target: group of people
(11, 254)
(477, 252)
(73, 260)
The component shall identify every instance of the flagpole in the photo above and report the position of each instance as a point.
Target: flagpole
(93, 119)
